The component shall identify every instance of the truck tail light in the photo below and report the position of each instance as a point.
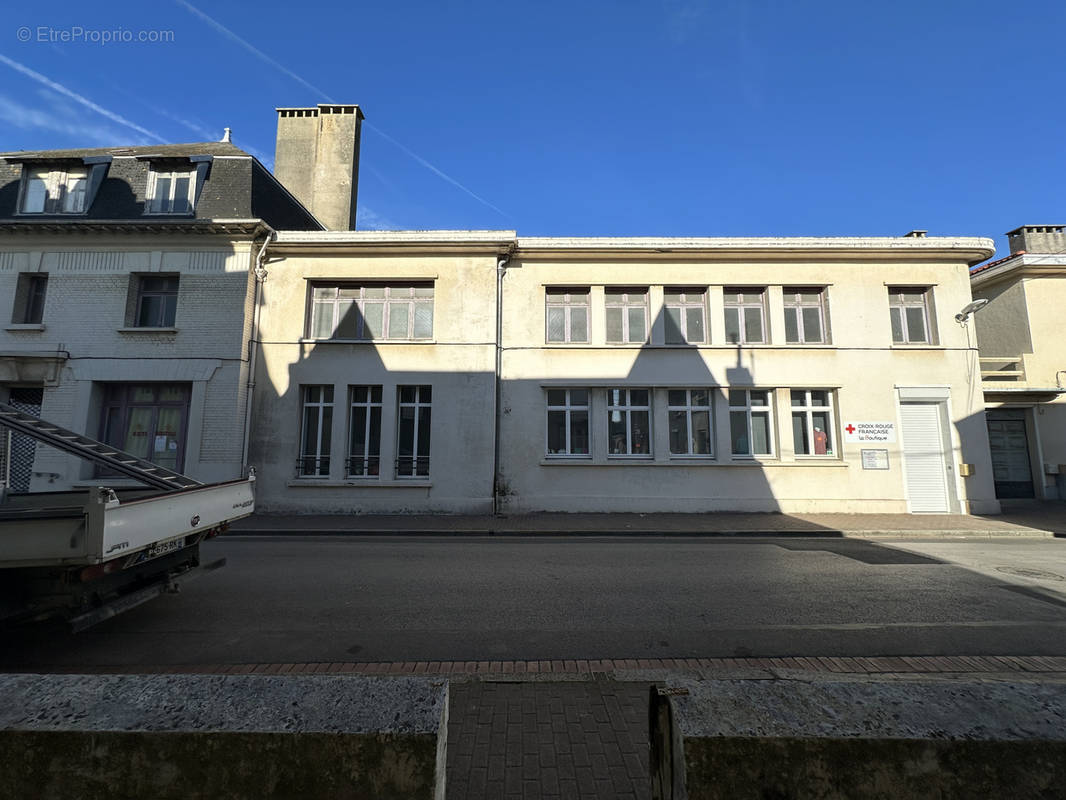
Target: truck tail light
(96, 570)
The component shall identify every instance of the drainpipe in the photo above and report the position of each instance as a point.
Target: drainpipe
(259, 272)
(501, 270)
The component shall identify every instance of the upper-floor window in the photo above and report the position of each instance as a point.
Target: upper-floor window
(372, 311)
(745, 315)
(909, 310)
(686, 316)
(170, 192)
(30, 292)
(627, 315)
(805, 315)
(567, 315)
(157, 301)
(54, 190)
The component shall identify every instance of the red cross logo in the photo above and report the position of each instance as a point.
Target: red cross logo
(850, 428)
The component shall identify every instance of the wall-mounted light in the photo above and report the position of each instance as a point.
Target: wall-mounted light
(970, 308)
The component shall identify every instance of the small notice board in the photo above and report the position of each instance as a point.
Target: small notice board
(874, 459)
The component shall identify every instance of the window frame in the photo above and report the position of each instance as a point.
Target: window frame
(359, 303)
(742, 305)
(794, 303)
(370, 461)
(627, 409)
(689, 407)
(684, 305)
(567, 304)
(154, 205)
(750, 410)
(57, 185)
(568, 408)
(898, 302)
(322, 457)
(418, 470)
(625, 305)
(168, 311)
(808, 410)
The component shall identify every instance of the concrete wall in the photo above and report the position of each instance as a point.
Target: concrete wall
(861, 366)
(1003, 325)
(458, 363)
(86, 320)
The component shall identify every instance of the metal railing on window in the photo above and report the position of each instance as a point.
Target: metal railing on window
(312, 467)
(412, 466)
(364, 466)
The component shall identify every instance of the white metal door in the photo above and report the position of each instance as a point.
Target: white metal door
(923, 454)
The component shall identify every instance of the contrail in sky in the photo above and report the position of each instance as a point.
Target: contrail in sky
(218, 26)
(63, 90)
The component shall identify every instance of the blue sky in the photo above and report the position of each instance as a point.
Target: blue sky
(667, 117)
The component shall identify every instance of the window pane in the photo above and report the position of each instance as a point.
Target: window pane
(579, 433)
(613, 297)
(138, 434)
(161, 200)
(170, 307)
(373, 320)
(799, 397)
(556, 431)
(738, 397)
(677, 397)
(700, 397)
(74, 197)
(760, 434)
(181, 194)
(327, 426)
(359, 394)
(398, 313)
(151, 311)
(914, 297)
(310, 442)
(423, 321)
(406, 442)
(424, 413)
(407, 394)
(673, 326)
(142, 394)
(616, 432)
(916, 325)
(370, 292)
(896, 315)
(557, 397)
(425, 393)
(672, 297)
(579, 324)
(759, 397)
(732, 325)
(812, 324)
(165, 438)
(819, 398)
(701, 433)
(799, 434)
(33, 200)
(738, 433)
(374, 445)
(327, 394)
(753, 325)
(695, 325)
(638, 397)
(322, 292)
(678, 432)
(556, 324)
(791, 326)
(579, 397)
(822, 444)
(639, 432)
(348, 324)
(171, 394)
(423, 291)
(358, 437)
(614, 324)
(322, 320)
(636, 325)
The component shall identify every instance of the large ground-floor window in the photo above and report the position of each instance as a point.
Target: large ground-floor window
(148, 420)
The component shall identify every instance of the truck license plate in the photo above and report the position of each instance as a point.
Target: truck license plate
(156, 550)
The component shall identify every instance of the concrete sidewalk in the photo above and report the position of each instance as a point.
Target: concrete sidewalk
(1041, 521)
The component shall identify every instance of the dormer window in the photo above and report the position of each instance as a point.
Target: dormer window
(170, 192)
(52, 190)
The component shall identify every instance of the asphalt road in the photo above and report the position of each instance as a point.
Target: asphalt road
(408, 598)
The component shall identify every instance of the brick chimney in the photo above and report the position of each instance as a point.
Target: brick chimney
(1038, 239)
(317, 159)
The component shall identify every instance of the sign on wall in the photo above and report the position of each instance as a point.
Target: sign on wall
(874, 459)
(869, 431)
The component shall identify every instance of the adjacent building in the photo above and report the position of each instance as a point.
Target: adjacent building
(126, 284)
(1023, 362)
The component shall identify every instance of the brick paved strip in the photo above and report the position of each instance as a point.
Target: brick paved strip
(834, 664)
